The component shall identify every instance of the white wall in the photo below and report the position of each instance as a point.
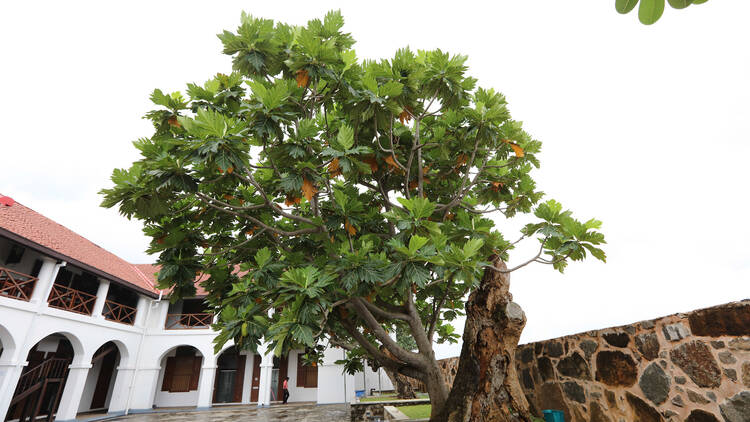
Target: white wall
(370, 379)
(298, 393)
(167, 399)
(90, 388)
(333, 385)
(23, 324)
(247, 382)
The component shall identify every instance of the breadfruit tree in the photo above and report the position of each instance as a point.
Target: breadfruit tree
(335, 201)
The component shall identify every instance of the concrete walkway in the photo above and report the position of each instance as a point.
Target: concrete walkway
(290, 412)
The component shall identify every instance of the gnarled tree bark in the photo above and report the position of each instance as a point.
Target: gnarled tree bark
(401, 384)
(486, 386)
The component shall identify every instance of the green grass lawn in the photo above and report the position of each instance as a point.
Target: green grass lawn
(420, 411)
(389, 397)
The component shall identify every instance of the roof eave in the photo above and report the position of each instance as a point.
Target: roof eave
(57, 255)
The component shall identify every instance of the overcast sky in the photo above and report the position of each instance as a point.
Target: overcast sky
(644, 128)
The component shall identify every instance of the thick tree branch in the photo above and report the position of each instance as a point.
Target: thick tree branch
(382, 313)
(381, 357)
(417, 329)
(377, 330)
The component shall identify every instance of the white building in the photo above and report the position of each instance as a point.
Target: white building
(83, 331)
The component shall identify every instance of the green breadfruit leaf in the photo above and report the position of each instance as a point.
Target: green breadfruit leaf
(650, 11)
(345, 138)
(262, 256)
(158, 97)
(303, 334)
(416, 242)
(471, 247)
(625, 6)
(391, 89)
(596, 252)
(699, 1)
(680, 4)
(349, 58)
(418, 207)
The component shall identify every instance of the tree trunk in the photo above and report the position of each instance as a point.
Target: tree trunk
(401, 384)
(486, 386)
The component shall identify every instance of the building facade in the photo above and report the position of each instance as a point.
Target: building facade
(83, 331)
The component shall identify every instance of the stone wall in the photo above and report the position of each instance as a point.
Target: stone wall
(691, 367)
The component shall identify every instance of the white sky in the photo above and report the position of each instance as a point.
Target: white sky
(644, 128)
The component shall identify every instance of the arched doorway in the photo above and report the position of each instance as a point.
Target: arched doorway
(179, 377)
(42, 381)
(100, 380)
(230, 375)
(7, 345)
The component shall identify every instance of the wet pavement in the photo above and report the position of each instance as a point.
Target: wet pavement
(291, 412)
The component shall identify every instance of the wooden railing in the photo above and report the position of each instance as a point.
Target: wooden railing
(16, 285)
(54, 368)
(118, 312)
(187, 321)
(69, 299)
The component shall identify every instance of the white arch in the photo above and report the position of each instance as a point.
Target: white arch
(174, 346)
(121, 348)
(8, 344)
(226, 347)
(79, 352)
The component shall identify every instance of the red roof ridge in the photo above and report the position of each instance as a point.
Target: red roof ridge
(143, 276)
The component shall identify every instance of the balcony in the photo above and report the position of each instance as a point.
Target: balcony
(118, 312)
(188, 321)
(16, 285)
(72, 300)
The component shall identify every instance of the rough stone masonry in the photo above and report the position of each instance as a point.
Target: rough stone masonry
(692, 367)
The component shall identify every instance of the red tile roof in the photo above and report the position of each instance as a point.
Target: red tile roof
(40, 230)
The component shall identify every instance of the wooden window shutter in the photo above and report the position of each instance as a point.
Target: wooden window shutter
(239, 378)
(196, 373)
(166, 384)
(301, 371)
(312, 377)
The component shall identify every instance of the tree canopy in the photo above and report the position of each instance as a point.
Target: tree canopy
(336, 200)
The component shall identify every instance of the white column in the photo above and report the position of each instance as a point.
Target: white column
(120, 391)
(101, 297)
(9, 375)
(206, 386)
(47, 275)
(266, 367)
(144, 389)
(140, 313)
(247, 383)
(71, 397)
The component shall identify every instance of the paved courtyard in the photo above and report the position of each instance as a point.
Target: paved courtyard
(291, 412)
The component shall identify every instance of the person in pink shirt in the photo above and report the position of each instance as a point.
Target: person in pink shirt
(285, 386)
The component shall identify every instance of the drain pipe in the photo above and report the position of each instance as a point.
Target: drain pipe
(138, 355)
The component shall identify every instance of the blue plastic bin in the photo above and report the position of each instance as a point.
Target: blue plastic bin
(359, 393)
(553, 416)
